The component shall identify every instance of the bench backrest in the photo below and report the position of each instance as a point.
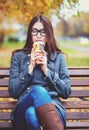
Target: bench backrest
(77, 104)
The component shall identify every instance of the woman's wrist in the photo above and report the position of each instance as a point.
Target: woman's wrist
(46, 71)
(30, 69)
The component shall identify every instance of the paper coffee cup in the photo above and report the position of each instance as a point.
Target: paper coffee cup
(38, 46)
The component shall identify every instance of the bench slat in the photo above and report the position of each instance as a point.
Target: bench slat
(5, 125)
(5, 116)
(74, 82)
(4, 72)
(78, 125)
(77, 129)
(74, 93)
(3, 82)
(68, 104)
(70, 115)
(76, 72)
(73, 71)
(79, 93)
(76, 104)
(4, 94)
(80, 82)
(78, 115)
(69, 125)
(7, 105)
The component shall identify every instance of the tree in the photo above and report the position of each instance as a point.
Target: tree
(24, 10)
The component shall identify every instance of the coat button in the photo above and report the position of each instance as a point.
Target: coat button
(54, 81)
(48, 65)
(22, 79)
(28, 54)
(44, 78)
(27, 63)
(28, 88)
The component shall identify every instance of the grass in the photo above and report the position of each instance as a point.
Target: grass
(6, 51)
(78, 62)
(12, 45)
(77, 54)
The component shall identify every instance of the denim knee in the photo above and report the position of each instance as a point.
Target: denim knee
(31, 117)
(40, 96)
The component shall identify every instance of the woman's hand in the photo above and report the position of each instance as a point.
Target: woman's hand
(43, 61)
(32, 60)
(38, 58)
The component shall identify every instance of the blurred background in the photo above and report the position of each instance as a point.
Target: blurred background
(70, 20)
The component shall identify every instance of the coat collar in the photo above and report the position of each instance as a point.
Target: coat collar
(53, 56)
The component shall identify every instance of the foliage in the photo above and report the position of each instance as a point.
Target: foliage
(24, 10)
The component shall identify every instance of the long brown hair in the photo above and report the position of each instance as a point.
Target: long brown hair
(51, 45)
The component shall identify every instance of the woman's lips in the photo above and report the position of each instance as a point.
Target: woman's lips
(39, 41)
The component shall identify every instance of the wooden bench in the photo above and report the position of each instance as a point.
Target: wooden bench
(77, 105)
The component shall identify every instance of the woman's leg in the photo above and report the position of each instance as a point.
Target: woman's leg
(49, 118)
(20, 122)
(46, 111)
(40, 99)
(32, 119)
(30, 115)
(37, 96)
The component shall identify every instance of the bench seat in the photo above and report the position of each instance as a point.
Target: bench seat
(77, 105)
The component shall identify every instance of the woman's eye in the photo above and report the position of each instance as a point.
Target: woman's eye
(43, 31)
(34, 31)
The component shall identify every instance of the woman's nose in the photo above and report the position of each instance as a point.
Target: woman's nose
(39, 35)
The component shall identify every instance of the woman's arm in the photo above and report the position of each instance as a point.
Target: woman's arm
(19, 80)
(60, 80)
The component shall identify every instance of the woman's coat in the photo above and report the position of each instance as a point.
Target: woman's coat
(57, 81)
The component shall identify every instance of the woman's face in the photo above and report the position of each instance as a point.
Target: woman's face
(38, 33)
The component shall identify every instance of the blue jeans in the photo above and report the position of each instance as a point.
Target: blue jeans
(26, 117)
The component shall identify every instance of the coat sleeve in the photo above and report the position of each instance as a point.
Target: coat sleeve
(60, 80)
(19, 80)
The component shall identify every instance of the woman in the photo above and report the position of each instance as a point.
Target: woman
(38, 85)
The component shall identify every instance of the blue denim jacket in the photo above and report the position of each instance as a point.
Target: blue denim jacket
(57, 81)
